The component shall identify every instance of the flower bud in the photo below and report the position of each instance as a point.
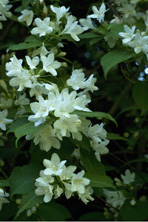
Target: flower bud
(18, 201)
(64, 64)
(33, 210)
(133, 202)
(29, 213)
(62, 54)
(126, 134)
(45, 10)
(2, 163)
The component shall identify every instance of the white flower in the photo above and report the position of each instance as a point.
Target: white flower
(128, 178)
(81, 102)
(139, 43)
(78, 81)
(44, 186)
(43, 27)
(78, 182)
(38, 89)
(99, 142)
(64, 126)
(42, 51)
(27, 16)
(86, 23)
(14, 67)
(41, 110)
(98, 14)
(32, 62)
(100, 148)
(5, 103)
(46, 138)
(53, 166)
(97, 133)
(3, 120)
(49, 65)
(128, 10)
(2, 198)
(62, 102)
(114, 198)
(23, 79)
(65, 103)
(72, 28)
(128, 35)
(67, 172)
(22, 100)
(4, 10)
(59, 11)
(85, 197)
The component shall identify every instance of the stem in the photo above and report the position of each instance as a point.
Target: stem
(4, 174)
(5, 33)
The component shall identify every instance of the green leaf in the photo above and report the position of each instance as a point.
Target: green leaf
(95, 170)
(88, 35)
(17, 123)
(91, 164)
(67, 148)
(140, 95)
(24, 45)
(114, 57)
(98, 115)
(93, 216)
(114, 30)
(99, 181)
(84, 143)
(26, 3)
(94, 41)
(22, 127)
(139, 212)
(4, 183)
(28, 201)
(114, 136)
(22, 179)
(53, 212)
(8, 211)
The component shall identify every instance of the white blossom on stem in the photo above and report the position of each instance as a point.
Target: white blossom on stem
(43, 27)
(27, 16)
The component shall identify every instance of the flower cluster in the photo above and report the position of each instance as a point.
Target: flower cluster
(55, 105)
(116, 199)
(138, 41)
(57, 179)
(47, 26)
